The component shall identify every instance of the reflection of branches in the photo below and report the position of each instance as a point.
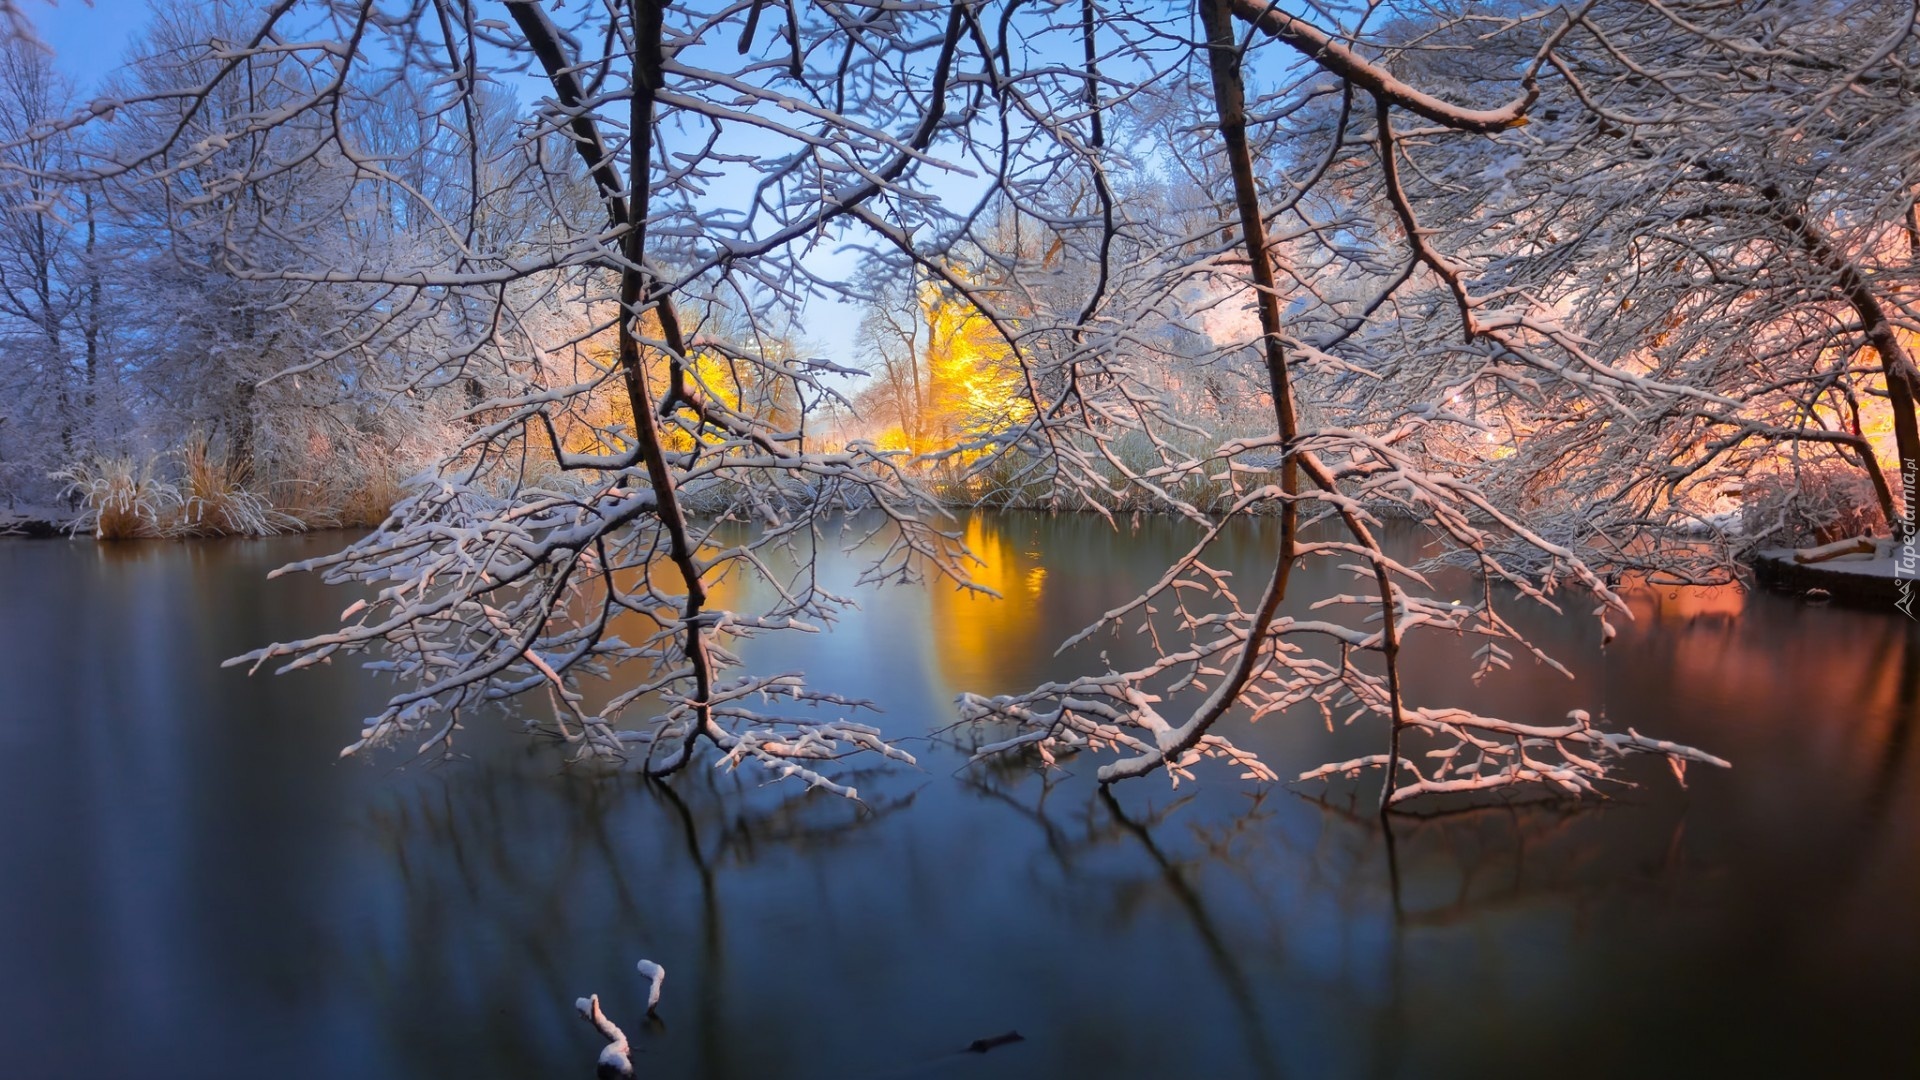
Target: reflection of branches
(709, 1010)
(1455, 871)
(1461, 865)
(1174, 875)
(1104, 824)
(1847, 856)
(511, 859)
(1906, 717)
(1059, 845)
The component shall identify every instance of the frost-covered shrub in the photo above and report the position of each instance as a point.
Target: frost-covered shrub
(120, 498)
(1813, 504)
(127, 498)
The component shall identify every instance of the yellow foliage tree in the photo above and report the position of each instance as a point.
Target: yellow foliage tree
(960, 381)
(600, 421)
(974, 377)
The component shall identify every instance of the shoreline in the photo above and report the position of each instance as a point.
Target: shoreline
(35, 524)
(1853, 581)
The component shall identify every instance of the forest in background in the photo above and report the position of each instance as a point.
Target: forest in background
(163, 372)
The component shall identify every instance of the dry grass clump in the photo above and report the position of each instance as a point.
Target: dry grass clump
(344, 479)
(368, 502)
(123, 498)
(306, 501)
(213, 504)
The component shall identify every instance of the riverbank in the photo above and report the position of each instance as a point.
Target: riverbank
(41, 522)
(1858, 580)
(1864, 580)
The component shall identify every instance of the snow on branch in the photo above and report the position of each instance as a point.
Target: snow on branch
(1218, 654)
(1479, 754)
(616, 1058)
(1341, 59)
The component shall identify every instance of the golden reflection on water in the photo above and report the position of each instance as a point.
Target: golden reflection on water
(973, 634)
(1838, 685)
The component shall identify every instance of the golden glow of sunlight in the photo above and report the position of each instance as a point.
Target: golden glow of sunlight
(973, 382)
(973, 631)
(1684, 603)
(600, 421)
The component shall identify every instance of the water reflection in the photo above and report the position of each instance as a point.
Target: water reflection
(977, 631)
(535, 872)
(185, 856)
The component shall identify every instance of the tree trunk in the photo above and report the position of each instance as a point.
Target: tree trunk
(93, 309)
(1896, 365)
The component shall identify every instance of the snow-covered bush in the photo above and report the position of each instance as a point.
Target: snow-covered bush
(121, 498)
(1817, 503)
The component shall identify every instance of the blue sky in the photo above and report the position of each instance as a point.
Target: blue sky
(88, 40)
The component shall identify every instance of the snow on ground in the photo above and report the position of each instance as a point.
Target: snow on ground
(1880, 564)
(32, 520)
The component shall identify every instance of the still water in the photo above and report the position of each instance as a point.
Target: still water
(191, 885)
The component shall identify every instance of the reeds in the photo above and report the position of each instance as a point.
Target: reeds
(121, 499)
(212, 503)
(127, 498)
(199, 491)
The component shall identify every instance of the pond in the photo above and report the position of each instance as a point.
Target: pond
(192, 884)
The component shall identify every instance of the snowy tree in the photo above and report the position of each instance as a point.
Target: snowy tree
(1734, 235)
(1247, 657)
(654, 236)
(49, 286)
